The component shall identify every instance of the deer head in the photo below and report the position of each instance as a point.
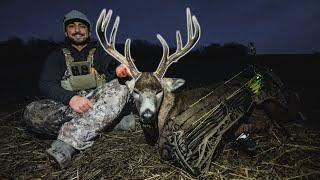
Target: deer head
(148, 87)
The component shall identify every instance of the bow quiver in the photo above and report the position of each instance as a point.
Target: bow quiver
(191, 138)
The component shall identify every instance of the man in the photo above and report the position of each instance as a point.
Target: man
(82, 96)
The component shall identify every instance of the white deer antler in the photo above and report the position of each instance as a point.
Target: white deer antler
(193, 37)
(109, 45)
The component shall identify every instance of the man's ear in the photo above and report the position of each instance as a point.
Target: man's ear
(172, 84)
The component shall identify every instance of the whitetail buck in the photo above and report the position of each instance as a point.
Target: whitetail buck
(149, 88)
(189, 125)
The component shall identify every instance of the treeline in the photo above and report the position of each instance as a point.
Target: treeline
(22, 62)
(17, 52)
(35, 50)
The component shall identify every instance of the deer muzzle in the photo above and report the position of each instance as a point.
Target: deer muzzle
(148, 116)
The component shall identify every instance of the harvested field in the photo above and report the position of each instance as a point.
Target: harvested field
(125, 155)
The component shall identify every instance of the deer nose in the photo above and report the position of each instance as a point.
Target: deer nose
(147, 114)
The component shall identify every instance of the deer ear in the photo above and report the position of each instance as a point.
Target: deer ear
(172, 84)
(130, 84)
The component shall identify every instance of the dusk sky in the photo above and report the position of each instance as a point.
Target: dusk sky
(275, 26)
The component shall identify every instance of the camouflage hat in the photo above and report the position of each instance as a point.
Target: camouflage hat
(75, 15)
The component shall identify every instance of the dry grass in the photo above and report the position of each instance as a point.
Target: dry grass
(125, 155)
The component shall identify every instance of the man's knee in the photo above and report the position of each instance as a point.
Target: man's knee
(44, 116)
(32, 114)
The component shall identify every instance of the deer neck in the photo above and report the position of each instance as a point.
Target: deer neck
(166, 106)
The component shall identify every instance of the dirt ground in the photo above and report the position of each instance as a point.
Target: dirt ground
(125, 155)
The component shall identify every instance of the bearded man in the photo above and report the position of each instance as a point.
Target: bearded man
(84, 93)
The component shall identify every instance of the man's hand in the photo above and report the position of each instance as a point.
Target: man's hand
(80, 104)
(122, 71)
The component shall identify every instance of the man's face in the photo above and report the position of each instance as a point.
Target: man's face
(78, 33)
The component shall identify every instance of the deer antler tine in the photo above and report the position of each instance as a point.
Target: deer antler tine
(165, 46)
(196, 26)
(106, 20)
(189, 24)
(158, 73)
(114, 32)
(127, 48)
(193, 37)
(108, 44)
(105, 24)
(100, 19)
(127, 52)
(133, 71)
(179, 41)
(99, 28)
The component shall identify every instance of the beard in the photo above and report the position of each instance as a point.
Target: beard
(77, 41)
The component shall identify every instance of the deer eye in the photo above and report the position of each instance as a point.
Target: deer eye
(159, 91)
(159, 94)
(136, 94)
(135, 91)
